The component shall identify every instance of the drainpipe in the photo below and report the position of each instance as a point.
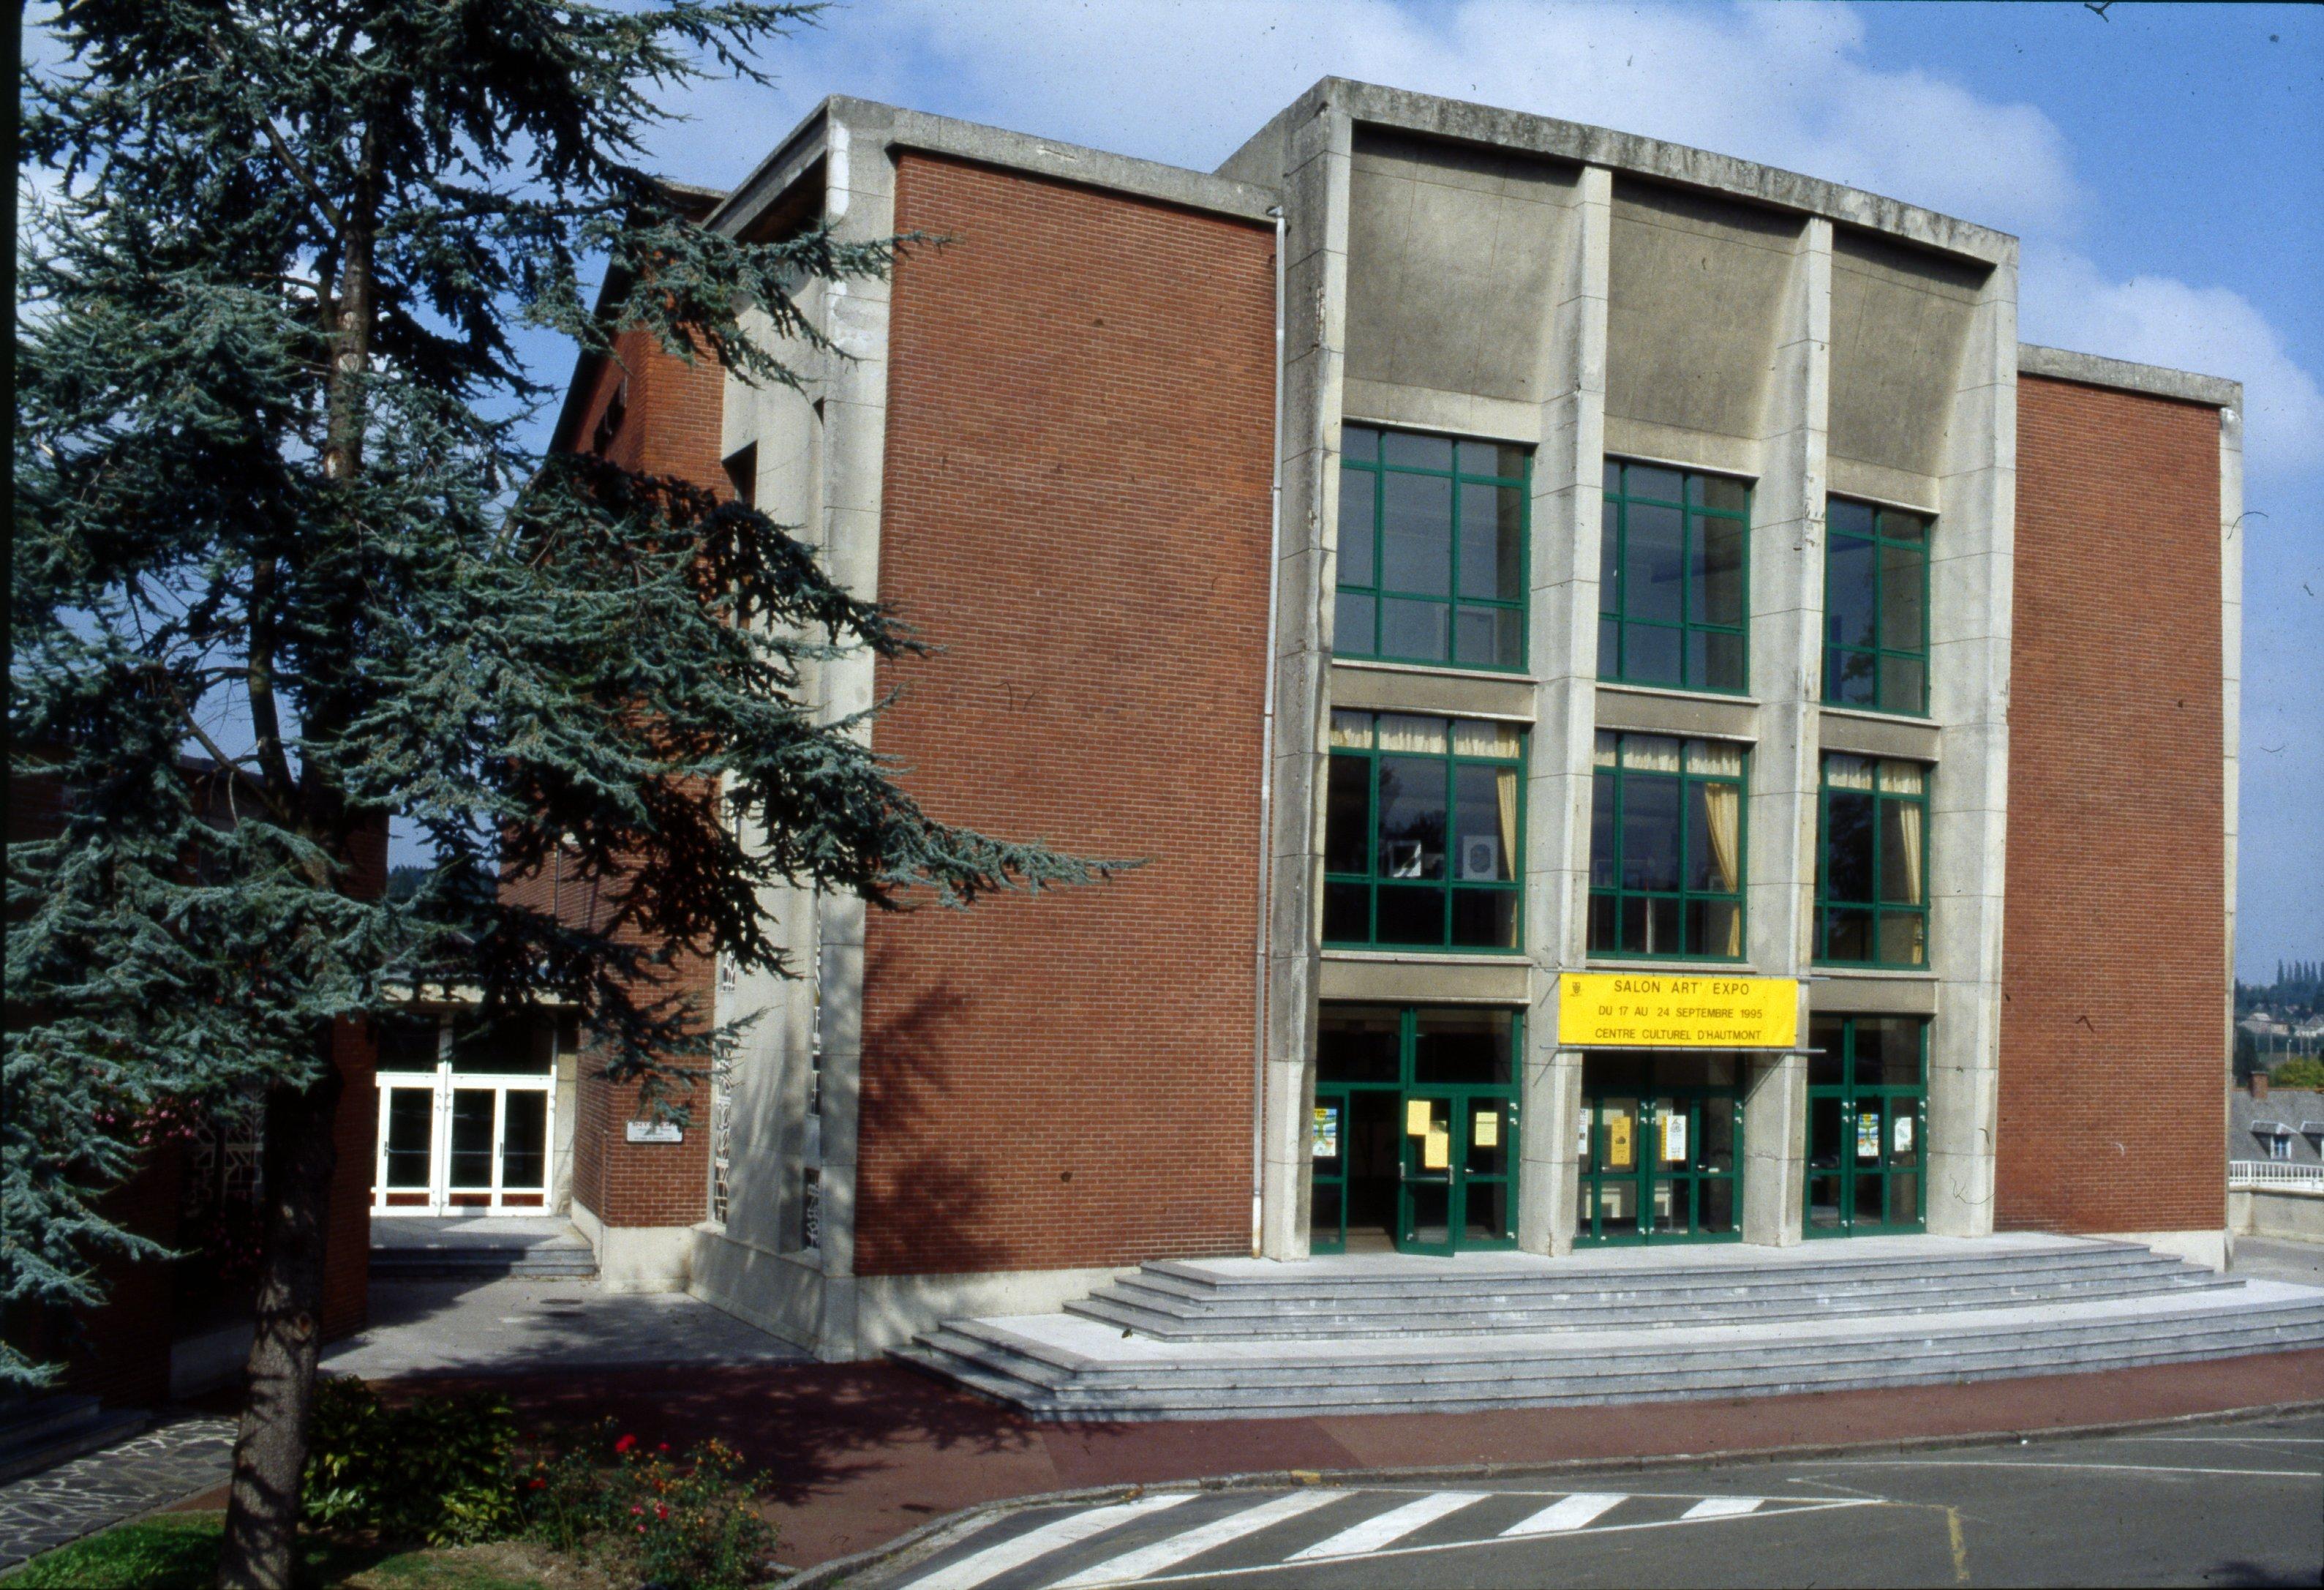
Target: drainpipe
(1267, 772)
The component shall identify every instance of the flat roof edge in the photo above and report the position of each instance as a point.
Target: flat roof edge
(2059, 364)
(1054, 158)
(1629, 153)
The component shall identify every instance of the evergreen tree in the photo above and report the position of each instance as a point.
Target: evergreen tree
(270, 473)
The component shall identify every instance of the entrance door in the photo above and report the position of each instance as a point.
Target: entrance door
(1868, 1119)
(1660, 1150)
(1413, 1142)
(469, 1135)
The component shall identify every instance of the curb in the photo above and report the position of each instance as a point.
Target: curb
(932, 1537)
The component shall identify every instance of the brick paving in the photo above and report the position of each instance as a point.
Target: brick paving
(57, 1506)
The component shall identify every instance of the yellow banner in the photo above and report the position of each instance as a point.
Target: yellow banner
(1628, 1010)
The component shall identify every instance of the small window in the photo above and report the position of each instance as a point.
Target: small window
(2279, 1148)
(1666, 845)
(743, 474)
(1673, 579)
(1875, 609)
(1424, 832)
(1872, 869)
(1432, 559)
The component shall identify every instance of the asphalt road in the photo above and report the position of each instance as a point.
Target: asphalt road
(2218, 1503)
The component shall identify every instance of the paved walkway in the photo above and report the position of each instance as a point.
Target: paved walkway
(60, 1505)
(861, 1453)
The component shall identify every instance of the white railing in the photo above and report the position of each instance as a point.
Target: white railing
(2275, 1173)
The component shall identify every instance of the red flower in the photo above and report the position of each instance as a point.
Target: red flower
(660, 1510)
(625, 1443)
(537, 1485)
(663, 1447)
(635, 1511)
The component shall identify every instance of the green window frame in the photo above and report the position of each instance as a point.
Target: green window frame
(1674, 579)
(1868, 1125)
(1432, 558)
(1872, 862)
(1669, 836)
(1876, 604)
(1423, 833)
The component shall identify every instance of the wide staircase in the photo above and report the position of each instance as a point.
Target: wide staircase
(477, 1249)
(1383, 1333)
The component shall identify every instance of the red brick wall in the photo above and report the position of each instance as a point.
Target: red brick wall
(2114, 970)
(670, 426)
(1080, 416)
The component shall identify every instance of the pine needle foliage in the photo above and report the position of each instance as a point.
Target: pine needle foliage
(276, 510)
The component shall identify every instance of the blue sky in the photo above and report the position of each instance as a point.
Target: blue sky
(2164, 166)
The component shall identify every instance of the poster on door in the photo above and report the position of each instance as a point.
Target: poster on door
(1903, 1134)
(1867, 1134)
(1617, 1142)
(1324, 1144)
(1675, 1138)
(1436, 1150)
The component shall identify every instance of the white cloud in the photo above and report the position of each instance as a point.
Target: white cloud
(2066, 300)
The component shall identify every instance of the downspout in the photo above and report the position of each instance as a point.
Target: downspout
(1266, 773)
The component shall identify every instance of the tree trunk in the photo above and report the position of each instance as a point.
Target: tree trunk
(270, 1453)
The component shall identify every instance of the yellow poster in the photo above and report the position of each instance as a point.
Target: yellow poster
(1624, 1010)
(1436, 1150)
(1617, 1142)
(1416, 1117)
(1485, 1132)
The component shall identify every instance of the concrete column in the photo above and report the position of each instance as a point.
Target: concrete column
(1315, 293)
(1568, 495)
(2231, 686)
(1787, 541)
(1971, 581)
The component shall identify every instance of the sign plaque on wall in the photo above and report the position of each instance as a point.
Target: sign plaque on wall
(654, 1132)
(1628, 1010)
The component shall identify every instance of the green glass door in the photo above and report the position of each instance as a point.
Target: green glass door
(1425, 1178)
(1868, 1125)
(1661, 1150)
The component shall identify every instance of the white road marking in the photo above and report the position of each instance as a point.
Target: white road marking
(1571, 1513)
(1388, 1528)
(1169, 1553)
(1723, 1507)
(2125, 1468)
(1019, 1550)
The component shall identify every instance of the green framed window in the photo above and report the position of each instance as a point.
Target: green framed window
(1424, 832)
(1673, 579)
(1872, 864)
(1667, 836)
(1868, 1125)
(1875, 609)
(1432, 561)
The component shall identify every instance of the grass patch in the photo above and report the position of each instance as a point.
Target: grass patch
(180, 1551)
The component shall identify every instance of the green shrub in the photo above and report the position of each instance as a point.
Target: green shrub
(685, 1524)
(2305, 1071)
(437, 1469)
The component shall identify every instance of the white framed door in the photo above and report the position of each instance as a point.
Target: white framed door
(454, 1142)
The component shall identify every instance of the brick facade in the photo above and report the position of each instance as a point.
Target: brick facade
(1077, 512)
(2113, 1037)
(666, 422)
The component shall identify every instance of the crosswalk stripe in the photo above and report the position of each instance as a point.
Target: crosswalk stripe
(1388, 1528)
(1571, 1513)
(1176, 1550)
(1019, 1550)
(1723, 1507)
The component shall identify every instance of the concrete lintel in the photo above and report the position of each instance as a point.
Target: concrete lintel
(2216, 392)
(1665, 712)
(1462, 121)
(1388, 688)
(1642, 441)
(1873, 993)
(1503, 981)
(1868, 733)
(1425, 407)
(1879, 482)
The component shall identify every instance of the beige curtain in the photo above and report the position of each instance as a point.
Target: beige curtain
(1505, 792)
(1723, 805)
(1908, 827)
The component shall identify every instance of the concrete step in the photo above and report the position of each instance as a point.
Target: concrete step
(1167, 1316)
(1086, 1365)
(563, 1259)
(48, 1430)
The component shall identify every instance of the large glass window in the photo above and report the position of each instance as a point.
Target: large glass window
(1424, 832)
(1872, 876)
(1673, 579)
(1432, 549)
(1667, 843)
(1868, 1119)
(1875, 609)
